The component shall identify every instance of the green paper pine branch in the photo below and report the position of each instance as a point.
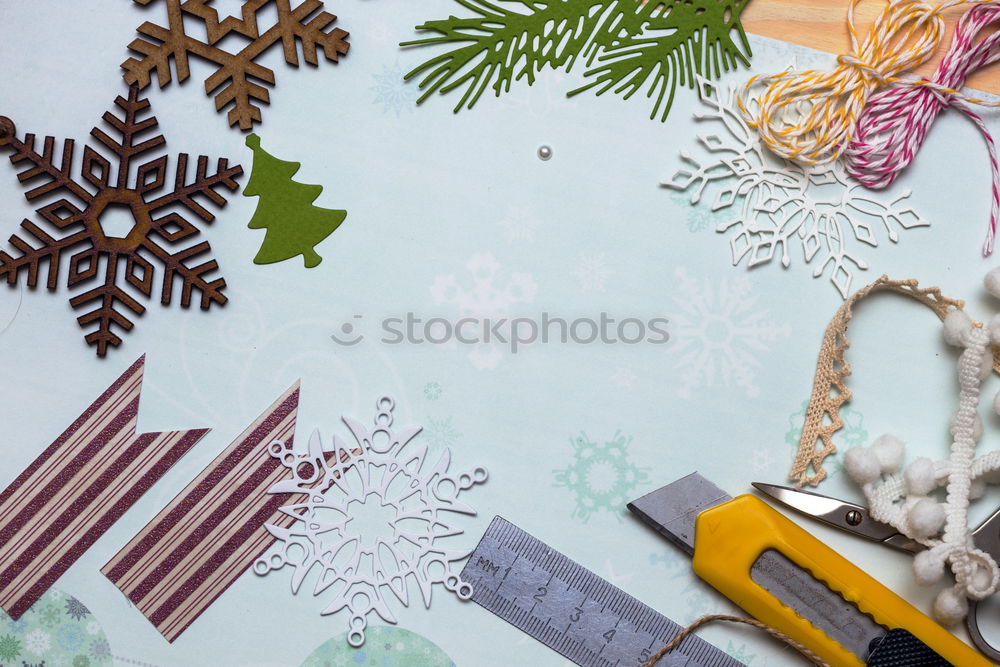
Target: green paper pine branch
(626, 45)
(294, 226)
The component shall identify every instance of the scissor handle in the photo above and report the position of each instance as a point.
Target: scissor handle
(972, 623)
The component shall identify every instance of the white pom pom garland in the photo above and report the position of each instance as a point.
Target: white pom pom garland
(928, 567)
(986, 365)
(994, 328)
(926, 518)
(888, 450)
(950, 607)
(919, 477)
(992, 282)
(862, 465)
(904, 499)
(956, 327)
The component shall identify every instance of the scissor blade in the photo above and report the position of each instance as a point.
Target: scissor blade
(987, 536)
(837, 513)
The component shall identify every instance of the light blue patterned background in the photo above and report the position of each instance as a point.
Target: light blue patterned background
(568, 432)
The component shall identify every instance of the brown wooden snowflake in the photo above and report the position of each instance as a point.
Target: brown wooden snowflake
(238, 74)
(119, 263)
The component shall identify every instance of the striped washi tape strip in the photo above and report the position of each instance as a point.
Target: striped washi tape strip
(77, 488)
(213, 531)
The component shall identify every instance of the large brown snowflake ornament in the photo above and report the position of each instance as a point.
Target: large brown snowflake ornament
(116, 263)
(238, 74)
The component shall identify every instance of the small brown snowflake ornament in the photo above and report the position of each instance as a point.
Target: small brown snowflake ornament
(238, 77)
(116, 265)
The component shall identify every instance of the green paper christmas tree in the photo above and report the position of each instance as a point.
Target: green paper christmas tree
(294, 226)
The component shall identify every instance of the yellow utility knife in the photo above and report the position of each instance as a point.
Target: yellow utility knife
(788, 579)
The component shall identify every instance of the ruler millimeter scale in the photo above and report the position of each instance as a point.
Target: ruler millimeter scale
(572, 610)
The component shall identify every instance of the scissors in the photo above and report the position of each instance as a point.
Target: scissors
(857, 520)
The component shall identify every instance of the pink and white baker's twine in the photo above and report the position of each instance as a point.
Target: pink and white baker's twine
(895, 122)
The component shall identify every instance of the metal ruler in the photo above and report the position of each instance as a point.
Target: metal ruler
(572, 610)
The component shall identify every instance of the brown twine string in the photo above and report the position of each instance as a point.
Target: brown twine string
(682, 635)
(829, 391)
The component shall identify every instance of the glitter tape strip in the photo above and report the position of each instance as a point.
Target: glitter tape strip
(77, 488)
(208, 536)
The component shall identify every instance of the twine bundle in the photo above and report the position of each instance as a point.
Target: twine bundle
(810, 117)
(816, 117)
(895, 122)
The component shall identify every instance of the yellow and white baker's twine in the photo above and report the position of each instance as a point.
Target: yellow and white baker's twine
(810, 117)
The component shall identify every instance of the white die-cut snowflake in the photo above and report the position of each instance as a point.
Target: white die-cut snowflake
(384, 472)
(775, 202)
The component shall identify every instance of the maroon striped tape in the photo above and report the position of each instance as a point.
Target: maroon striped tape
(77, 488)
(212, 532)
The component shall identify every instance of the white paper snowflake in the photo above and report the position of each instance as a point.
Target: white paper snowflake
(384, 472)
(775, 202)
(592, 273)
(719, 331)
(486, 299)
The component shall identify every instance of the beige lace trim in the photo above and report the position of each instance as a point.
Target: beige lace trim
(829, 391)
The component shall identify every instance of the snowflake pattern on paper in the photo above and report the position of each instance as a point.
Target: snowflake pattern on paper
(37, 642)
(600, 476)
(718, 333)
(741, 652)
(592, 273)
(441, 433)
(697, 218)
(623, 377)
(761, 461)
(57, 630)
(387, 646)
(697, 598)
(487, 298)
(852, 434)
(519, 223)
(385, 471)
(10, 648)
(392, 92)
(774, 203)
(433, 391)
(239, 75)
(116, 265)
